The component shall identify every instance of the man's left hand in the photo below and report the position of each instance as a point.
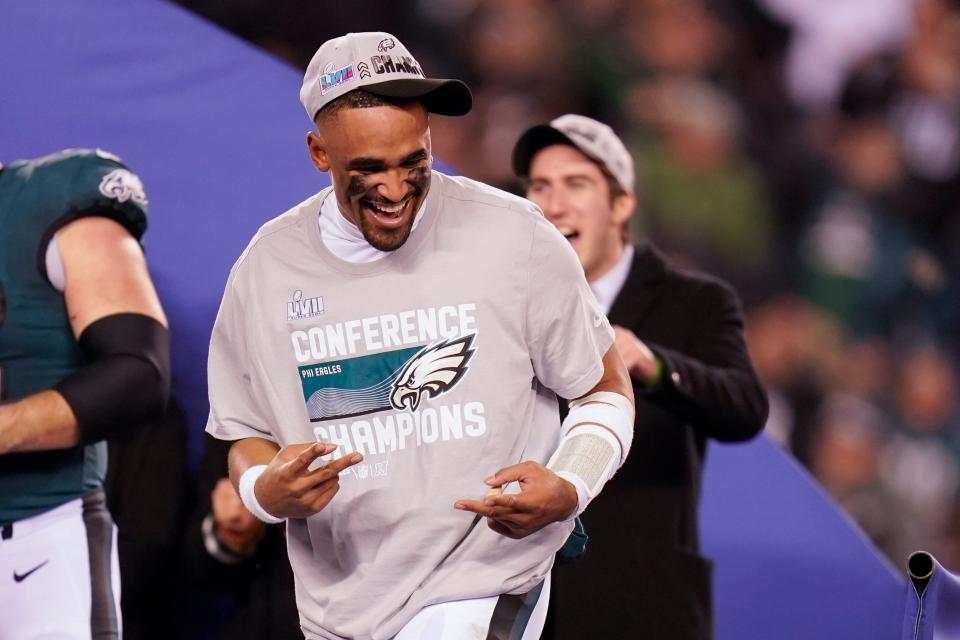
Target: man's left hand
(544, 498)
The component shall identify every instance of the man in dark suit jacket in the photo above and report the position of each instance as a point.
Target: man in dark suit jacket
(680, 333)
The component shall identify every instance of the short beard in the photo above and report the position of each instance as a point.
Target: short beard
(386, 240)
(391, 240)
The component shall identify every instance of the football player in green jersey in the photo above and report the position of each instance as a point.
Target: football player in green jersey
(84, 352)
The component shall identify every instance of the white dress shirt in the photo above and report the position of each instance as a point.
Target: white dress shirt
(607, 287)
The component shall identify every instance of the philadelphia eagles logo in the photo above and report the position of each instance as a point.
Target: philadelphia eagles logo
(432, 371)
(123, 185)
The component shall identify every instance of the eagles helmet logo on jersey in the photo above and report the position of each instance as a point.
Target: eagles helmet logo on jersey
(432, 371)
(123, 185)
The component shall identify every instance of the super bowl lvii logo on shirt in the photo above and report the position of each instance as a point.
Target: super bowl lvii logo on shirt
(300, 307)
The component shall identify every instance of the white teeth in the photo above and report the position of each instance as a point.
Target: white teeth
(394, 210)
(566, 231)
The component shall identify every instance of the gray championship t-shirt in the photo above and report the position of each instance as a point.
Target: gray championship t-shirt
(439, 362)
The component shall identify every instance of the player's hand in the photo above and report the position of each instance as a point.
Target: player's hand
(288, 489)
(234, 526)
(544, 498)
(638, 358)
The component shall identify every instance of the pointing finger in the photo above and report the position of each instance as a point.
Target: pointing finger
(335, 466)
(510, 501)
(306, 457)
(501, 513)
(472, 505)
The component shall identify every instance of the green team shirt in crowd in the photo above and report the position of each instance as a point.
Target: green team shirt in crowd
(37, 345)
(440, 362)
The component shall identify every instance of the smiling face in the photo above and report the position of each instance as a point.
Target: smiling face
(379, 163)
(574, 194)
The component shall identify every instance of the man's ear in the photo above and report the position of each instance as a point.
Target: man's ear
(318, 151)
(623, 208)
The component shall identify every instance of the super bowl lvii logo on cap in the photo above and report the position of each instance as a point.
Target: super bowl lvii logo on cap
(332, 78)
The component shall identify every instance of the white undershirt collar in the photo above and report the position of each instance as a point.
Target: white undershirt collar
(344, 239)
(607, 287)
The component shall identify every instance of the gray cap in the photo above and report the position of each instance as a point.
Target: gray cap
(595, 139)
(379, 63)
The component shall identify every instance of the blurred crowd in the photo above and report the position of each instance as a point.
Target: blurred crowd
(806, 150)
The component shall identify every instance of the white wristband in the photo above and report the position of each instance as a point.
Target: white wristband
(249, 497)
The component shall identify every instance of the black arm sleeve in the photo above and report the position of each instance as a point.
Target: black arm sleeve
(127, 379)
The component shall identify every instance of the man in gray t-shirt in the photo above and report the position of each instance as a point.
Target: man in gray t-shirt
(388, 356)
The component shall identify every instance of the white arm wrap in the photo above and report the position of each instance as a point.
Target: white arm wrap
(609, 397)
(607, 410)
(595, 439)
(249, 498)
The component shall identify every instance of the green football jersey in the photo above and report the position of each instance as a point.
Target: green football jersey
(37, 345)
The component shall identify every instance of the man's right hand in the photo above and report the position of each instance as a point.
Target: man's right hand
(288, 489)
(235, 527)
(640, 361)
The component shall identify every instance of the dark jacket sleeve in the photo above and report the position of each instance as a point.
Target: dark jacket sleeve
(712, 384)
